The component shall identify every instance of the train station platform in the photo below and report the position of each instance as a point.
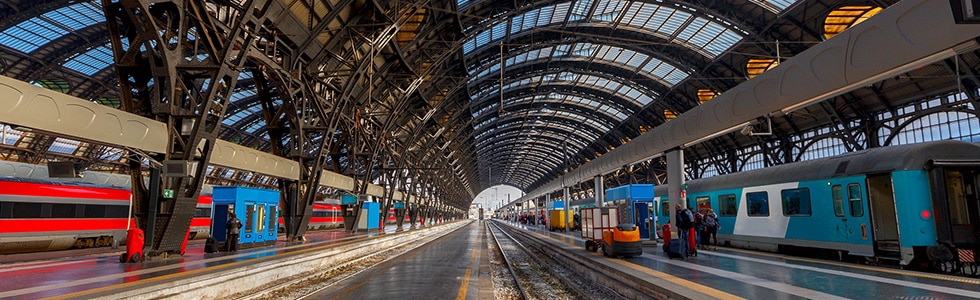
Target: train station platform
(92, 272)
(732, 273)
(456, 264)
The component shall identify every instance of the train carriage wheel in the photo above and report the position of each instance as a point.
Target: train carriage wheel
(947, 267)
(971, 269)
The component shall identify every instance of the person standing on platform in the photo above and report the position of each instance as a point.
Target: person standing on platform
(684, 225)
(698, 227)
(711, 227)
(232, 228)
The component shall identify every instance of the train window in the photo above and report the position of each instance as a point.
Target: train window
(704, 203)
(726, 205)
(95, 211)
(202, 212)
(838, 194)
(758, 204)
(273, 212)
(796, 202)
(117, 211)
(6, 210)
(664, 207)
(26, 210)
(62, 210)
(855, 200)
(249, 217)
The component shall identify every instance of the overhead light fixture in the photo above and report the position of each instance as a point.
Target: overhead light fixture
(749, 130)
(716, 134)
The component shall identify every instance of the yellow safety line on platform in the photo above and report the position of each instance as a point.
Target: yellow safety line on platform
(718, 294)
(466, 278)
(700, 288)
(911, 273)
(171, 277)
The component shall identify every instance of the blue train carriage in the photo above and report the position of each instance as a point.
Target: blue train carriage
(916, 205)
(256, 208)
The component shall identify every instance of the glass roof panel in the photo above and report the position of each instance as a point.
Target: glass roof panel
(92, 61)
(663, 21)
(580, 79)
(674, 22)
(258, 123)
(691, 29)
(611, 54)
(608, 11)
(34, 33)
(242, 94)
(775, 6)
(63, 145)
(581, 10)
(639, 14)
(561, 12)
(659, 18)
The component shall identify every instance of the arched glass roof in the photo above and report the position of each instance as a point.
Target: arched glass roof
(613, 86)
(668, 74)
(708, 37)
(600, 108)
(34, 33)
(91, 61)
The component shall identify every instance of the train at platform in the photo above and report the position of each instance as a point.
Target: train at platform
(46, 215)
(915, 205)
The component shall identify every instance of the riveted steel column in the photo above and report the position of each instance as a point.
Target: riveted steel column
(675, 178)
(599, 191)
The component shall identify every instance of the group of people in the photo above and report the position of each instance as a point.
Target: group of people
(705, 224)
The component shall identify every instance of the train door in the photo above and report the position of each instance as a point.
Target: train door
(841, 230)
(884, 217)
(963, 206)
(219, 219)
(249, 222)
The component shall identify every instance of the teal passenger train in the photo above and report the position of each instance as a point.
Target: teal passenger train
(916, 205)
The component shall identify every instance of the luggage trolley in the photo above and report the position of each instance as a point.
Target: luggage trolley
(595, 220)
(601, 229)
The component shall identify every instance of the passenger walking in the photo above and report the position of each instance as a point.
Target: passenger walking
(711, 227)
(232, 229)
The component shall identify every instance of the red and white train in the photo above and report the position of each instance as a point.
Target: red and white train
(43, 215)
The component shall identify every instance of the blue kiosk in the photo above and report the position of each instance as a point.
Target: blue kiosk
(256, 208)
(370, 217)
(634, 202)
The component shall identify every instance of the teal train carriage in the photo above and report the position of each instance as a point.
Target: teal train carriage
(916, 205)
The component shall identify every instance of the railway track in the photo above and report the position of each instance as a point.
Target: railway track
(539, 276)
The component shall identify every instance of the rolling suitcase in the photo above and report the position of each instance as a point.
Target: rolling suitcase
(692, 245)
(211, 245)
(675, 248)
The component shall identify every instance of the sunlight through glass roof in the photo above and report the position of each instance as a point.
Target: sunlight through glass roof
(627, 92)
(665, 73)
(579, 138)
(34, 33)
(708, 37)
(92, 61)
(559, 98)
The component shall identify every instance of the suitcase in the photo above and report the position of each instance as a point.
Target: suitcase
(675, 248)
(211, 245)
(692, 243)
